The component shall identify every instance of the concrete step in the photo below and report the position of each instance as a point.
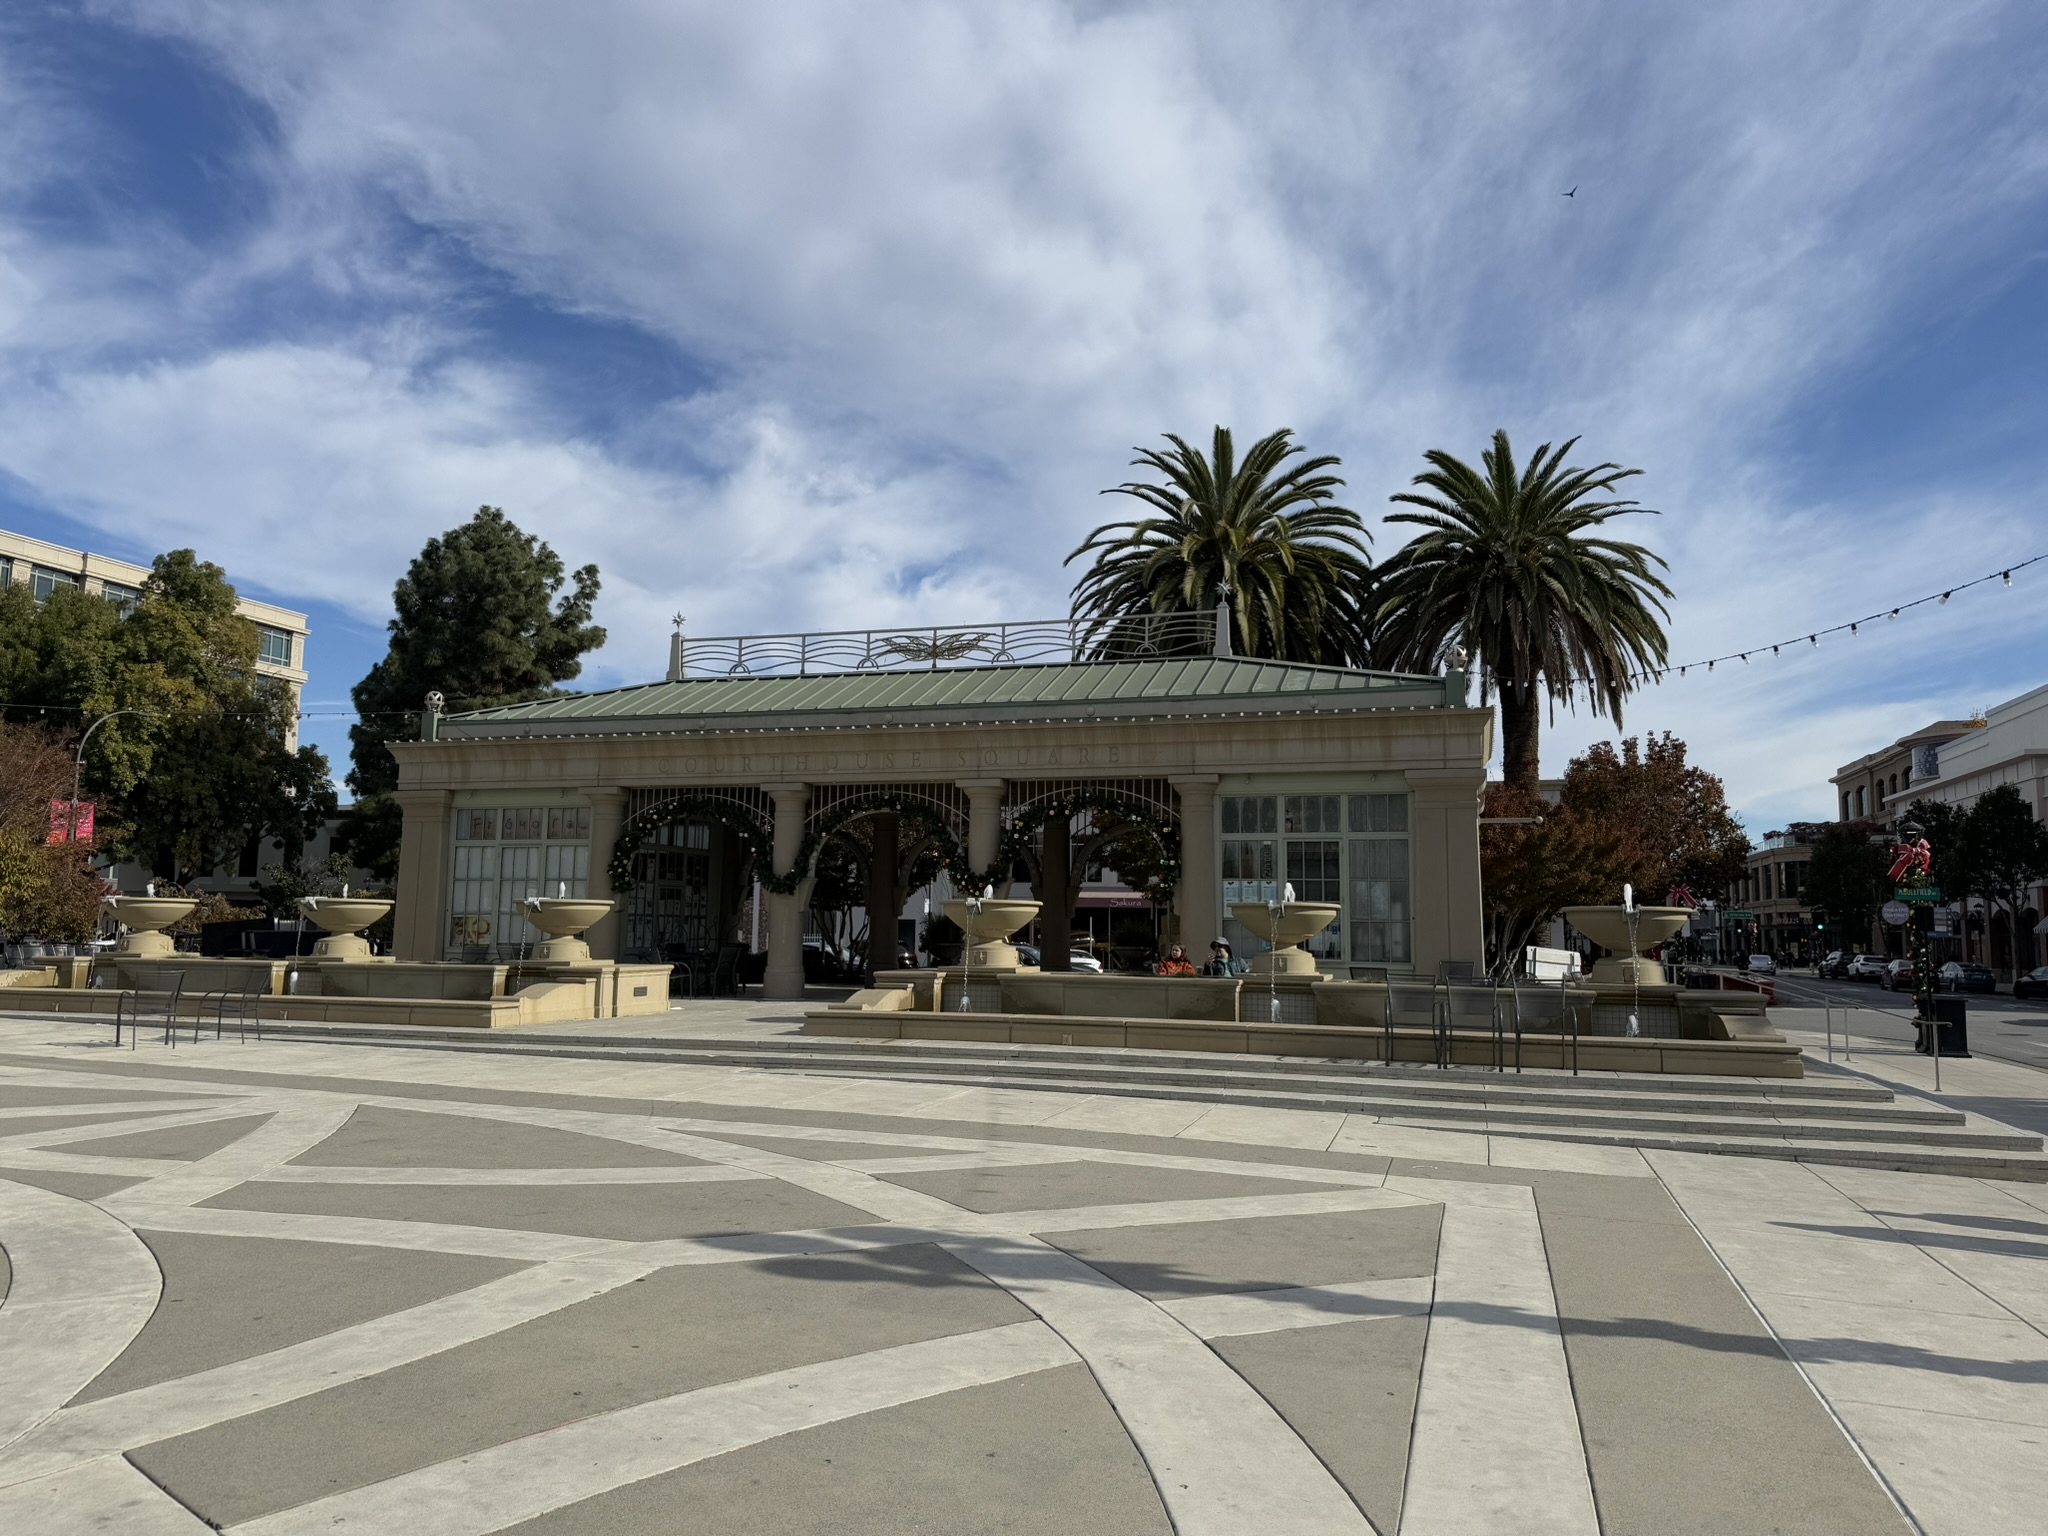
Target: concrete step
(793, 1053)
(1363, 1088)
(1419, 1085)
(1799, 1122)
(1834, 1122)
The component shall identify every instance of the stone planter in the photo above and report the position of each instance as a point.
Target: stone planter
(344, 918)
(562, 919)
(144, 917)
(988, 931)
(1286, 930)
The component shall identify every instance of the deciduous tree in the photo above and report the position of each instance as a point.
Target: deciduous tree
(2008, 852)
(1846, 878)
(194, 763)
(1668, 817)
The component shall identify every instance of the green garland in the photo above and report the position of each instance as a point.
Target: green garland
(674, 813)
(921, 817)
(757, 839)
(1018, 835)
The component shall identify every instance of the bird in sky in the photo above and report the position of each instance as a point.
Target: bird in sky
(1573, 193)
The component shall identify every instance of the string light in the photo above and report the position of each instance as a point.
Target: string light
(1852, 626)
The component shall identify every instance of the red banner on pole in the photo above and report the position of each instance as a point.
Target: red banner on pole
(71, 820)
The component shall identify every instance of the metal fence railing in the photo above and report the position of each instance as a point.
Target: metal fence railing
(920, 648)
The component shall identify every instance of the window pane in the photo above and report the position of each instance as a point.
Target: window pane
(1269, 814)
(476, 826)
(568, 823)
(1379, 813)
(47, 581)
(1230, 813)
(523, 825)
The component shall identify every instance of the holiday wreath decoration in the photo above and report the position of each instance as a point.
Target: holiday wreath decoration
(745, 824)
(1018, 835)
(920, 817)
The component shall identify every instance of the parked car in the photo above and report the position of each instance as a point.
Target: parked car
(1763, 965)
(1965, 976)
(1029, 954)
(2033, 984)
(1898, 976)
(1865, 968)
(1834, 967)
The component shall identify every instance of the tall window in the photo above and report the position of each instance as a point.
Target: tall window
(121, 597)
(1314, 862)
(274, 645)
(1250, 861)
(1379, 910)
(501, 858)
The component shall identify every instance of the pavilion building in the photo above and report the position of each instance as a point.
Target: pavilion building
(1358, 788)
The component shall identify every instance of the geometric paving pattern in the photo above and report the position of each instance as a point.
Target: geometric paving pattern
(298, 1309)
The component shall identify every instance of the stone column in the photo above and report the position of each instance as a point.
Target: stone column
(607, 816)
(984, 820)
(784, 981)
(1198, 899)
(1444, 867)
(419, 926)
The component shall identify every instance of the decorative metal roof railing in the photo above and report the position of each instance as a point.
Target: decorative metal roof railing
(1039, 642)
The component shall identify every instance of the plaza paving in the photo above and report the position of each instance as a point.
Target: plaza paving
(280, 1287)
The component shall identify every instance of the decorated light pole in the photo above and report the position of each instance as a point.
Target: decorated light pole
(1912, 879)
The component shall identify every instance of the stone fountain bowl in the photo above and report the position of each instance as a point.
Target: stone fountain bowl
(344, 914)
(146, 913)
(560, 916)
(1295, 922)
(996, 921)
(1608, 926)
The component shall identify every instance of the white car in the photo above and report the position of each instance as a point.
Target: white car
(1763, 965)
(1865, 968)
(1076, 961)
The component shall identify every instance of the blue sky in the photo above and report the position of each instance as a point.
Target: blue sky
(809, 315)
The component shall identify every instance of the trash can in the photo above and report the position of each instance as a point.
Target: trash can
(1950, 1024)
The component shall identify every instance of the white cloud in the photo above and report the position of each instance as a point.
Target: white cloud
(944, 264)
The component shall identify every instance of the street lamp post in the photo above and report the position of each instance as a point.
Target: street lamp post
(78, 764)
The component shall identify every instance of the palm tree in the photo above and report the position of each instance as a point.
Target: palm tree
(1262, 530)
(1505, 569)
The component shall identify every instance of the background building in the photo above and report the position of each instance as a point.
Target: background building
(2009, 746)
(280, 633)
(1767, 913)
(1879, 786)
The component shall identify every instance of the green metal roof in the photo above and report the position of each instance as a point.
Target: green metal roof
(1100, 690)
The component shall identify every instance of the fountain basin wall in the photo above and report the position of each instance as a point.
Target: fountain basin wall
(1719, 1033)
(378, 992)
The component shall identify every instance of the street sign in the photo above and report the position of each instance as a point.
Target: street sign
(1931, 894)
(1896, 913)
(1740, 917)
